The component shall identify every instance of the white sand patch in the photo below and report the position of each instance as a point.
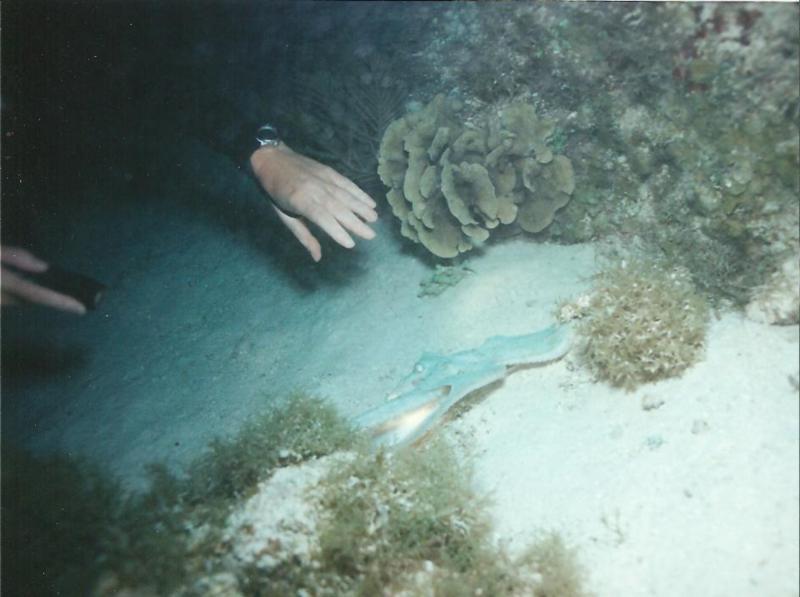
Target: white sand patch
(698, 496)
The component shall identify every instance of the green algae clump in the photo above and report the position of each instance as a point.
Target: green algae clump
(408, 523)
(643, 323)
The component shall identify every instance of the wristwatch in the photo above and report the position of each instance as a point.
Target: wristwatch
(267, 136)
(250, 139)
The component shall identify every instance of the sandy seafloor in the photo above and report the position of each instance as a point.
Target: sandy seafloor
(204, 323)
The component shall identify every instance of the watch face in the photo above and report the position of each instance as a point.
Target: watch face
(268, 135)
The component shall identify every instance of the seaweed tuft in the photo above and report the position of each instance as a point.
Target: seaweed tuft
(406, 522)
(643, 323)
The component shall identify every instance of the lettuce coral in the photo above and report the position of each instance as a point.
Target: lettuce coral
(451, 183)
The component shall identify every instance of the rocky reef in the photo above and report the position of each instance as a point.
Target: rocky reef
(777, 301)
(295, 504)
(681, 122)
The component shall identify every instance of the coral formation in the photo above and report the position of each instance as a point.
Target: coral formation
(278, 524)
(778, 300)
(641, 323)
(304, 427)
(686, 146)
(451, 183)
(88, 532)
(410, 524)
(273, 511)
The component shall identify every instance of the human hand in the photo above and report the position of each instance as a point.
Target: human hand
(303, 188)
(15, 289)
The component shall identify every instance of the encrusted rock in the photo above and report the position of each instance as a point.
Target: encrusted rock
(279, 522)
(223, 584)
(778, 300)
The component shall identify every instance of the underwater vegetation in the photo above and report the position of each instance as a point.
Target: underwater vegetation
(640, 323)
(406, 523)
(681, 123)
(451, 184)
(409, 523)
(66, 522)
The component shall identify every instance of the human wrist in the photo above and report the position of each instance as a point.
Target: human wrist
(262, 157)
(251, 139)
(268, 165)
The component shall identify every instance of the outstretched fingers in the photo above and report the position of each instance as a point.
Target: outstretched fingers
(302, 234)
(22, 259)
(349, 186)
(338, 213)
(361, 209)
(18, 289)
(334, 228)
(349, 220)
